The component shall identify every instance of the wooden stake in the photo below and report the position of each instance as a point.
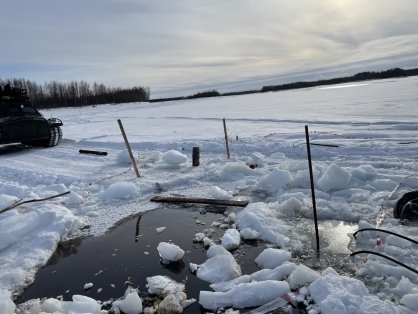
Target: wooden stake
(308, 146)
(226, 140)
(128, 147)
(196, 156)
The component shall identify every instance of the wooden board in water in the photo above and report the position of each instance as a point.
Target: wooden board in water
(176, 199)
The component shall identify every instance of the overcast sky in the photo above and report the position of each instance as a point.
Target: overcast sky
(178, 47)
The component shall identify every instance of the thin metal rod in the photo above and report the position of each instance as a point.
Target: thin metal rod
(385, 231)
(308, 147)
(128, 147)
(387, 257)
(226, 140)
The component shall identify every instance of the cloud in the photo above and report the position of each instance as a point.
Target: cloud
(169, 45)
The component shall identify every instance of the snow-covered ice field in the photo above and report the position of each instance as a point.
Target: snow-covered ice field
(374, 125)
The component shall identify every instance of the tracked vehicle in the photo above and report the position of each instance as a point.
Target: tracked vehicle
(20, 122)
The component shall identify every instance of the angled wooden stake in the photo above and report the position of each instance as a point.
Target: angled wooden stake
(226, 140)
(128, 147)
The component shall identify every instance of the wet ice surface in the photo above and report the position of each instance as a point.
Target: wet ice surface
(335, 245)
(116, 259)
(127, 254)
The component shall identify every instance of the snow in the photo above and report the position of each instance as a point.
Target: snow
(217, 193)
(120, 190)
(163, 285)
(220, 266)
(271, 258)
(231, 239)
(302, 276)
(170, 252)
(358, 182)
(174, 158)
(341, 294)
(244, 295)
(334, 178)
(248, 234)
(130, 304)
(411, 301)
(276, 179)
(6, 304)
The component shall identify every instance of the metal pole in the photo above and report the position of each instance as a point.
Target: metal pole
(226, 140)
(312, 188)
(128, 147)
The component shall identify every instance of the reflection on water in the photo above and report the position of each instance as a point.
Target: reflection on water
(335, 243)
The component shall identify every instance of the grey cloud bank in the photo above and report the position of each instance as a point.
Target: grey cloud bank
(180, 47)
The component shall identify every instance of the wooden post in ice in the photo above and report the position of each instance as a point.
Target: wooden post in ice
(308, 146)
(128, 147)
(196, 156)
(226, 140)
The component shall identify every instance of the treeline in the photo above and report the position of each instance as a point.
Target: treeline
(211, 93)
(76, 93)
(396, 72)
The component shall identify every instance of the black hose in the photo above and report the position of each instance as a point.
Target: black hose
(387, 257)
(32, 200)
(385, 231)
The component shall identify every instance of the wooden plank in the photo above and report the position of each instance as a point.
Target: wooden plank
(176, 199)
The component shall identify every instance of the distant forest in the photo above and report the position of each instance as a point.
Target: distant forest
(76, 94)
(396, 72)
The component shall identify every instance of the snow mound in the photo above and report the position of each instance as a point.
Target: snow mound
(163, 285)
(130, 304)
(74, 199)
(217, 193)
(123, 157)
(236, 167)
(244, 295)
(35, 234)
(277, 179)
(173, 158)
(220, 266)
(7, 200)
(249, 234)
(261, 218)
(364, 172)
(341, 294)
(334, 178)
(6, 304)
(410, 301)
(278, 273)
(231, 239)
(301, 276)
(170, 252)
(120, 190)
(271, 258)
(81, 304)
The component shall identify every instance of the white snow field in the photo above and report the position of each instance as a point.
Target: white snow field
(374, 125)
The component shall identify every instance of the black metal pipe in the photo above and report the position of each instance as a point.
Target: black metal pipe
(308, 147)
(387, 257)
(385, 231)
(94, 152)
